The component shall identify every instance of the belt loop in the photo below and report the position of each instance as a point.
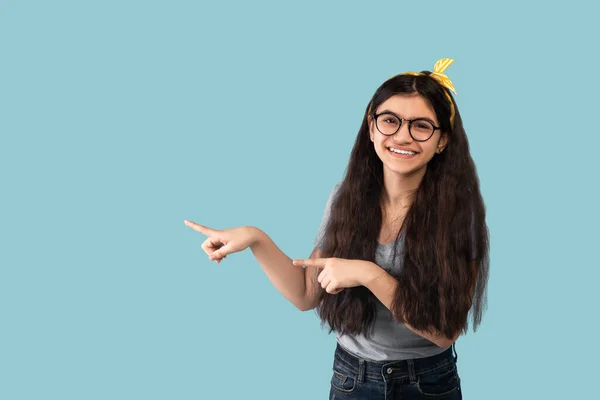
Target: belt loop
(361, 370)
(411, 371)
(455, 353)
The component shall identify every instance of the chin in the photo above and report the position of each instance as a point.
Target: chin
(407, 171)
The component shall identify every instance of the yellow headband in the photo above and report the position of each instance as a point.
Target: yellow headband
(438, 75)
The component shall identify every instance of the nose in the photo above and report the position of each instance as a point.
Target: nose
(403, 134)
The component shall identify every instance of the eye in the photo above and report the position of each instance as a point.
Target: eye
(388, 119)
(424, 125)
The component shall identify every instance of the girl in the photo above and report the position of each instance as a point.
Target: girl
(401, 257)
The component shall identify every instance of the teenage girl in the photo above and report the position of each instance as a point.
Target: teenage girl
(401, 256)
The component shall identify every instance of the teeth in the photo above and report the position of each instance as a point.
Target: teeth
(408, 153)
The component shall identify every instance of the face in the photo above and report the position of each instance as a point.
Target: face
(408, 106)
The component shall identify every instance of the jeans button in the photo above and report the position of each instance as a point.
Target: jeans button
(389, 370)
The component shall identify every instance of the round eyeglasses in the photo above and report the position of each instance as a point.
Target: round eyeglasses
(419, 129)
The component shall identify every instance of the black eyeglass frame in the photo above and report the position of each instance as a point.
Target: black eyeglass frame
(410, 122)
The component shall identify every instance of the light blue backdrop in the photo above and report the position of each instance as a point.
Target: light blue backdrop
(120, 119)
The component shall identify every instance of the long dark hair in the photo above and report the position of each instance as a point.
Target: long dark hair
(441, 281)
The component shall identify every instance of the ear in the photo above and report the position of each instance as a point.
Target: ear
(442, 143)
(370, 124)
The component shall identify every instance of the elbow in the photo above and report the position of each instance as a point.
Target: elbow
(442, 342)
(445, 342)
(306, 302)
(304, 305)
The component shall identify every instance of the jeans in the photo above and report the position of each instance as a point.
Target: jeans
(434, 377)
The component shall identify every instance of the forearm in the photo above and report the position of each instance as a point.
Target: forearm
(287, 278)
(383, 286)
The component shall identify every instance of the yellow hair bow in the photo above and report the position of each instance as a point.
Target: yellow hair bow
(438, 74)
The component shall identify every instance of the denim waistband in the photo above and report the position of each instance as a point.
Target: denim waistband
(385, 370)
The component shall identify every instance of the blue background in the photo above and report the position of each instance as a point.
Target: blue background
(120, 119)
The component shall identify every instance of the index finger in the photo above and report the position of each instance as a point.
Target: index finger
(312, 262)
(199, 228)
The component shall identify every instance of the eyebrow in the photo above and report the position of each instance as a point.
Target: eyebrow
(391, 112)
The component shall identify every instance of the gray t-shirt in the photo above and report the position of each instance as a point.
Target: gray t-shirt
(390, 340)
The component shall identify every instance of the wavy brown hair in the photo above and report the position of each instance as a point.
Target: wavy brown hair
(441, 281)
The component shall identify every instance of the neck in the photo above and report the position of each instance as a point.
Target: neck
(398, 190)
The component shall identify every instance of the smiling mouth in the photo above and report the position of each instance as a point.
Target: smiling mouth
(405, 153)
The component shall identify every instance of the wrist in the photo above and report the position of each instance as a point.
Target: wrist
(256, 236)
(371, 274)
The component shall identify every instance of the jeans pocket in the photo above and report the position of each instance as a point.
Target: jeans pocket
(343, 381)
(439, 382)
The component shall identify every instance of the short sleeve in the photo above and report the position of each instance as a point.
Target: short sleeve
(325, 218)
